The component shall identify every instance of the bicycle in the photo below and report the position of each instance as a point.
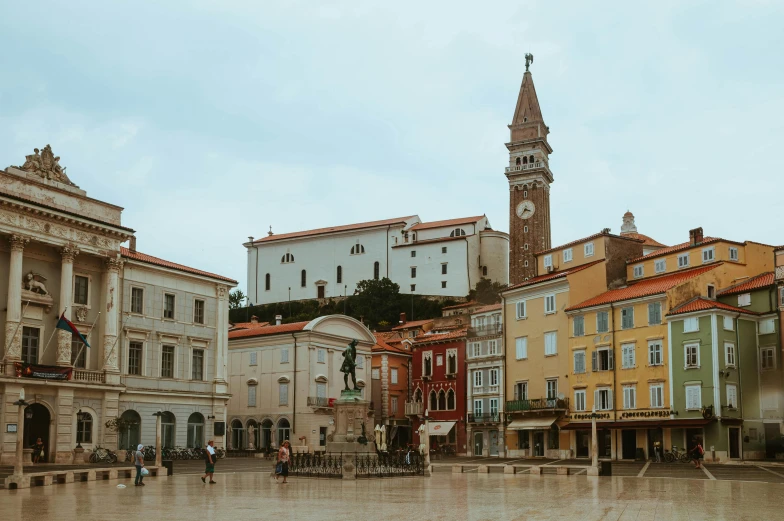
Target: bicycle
(675, 455)
(101, 455)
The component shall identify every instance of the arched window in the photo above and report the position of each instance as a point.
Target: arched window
(237, 435)
(357, 249)
(418, 396)
(303, 279)
(517, 161)
(130, 432)
(458, 232)
(84, 427)
(267, 282)
(287, 258)
(525, 194)
(442, 400)
(340, 275)
(376, 269)
(531, 159)
(525, 160)
(168, 425)
(195, 431)
(283, 430)
(450, 400)
(433, 401)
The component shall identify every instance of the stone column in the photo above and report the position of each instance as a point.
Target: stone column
(158, 440)
(222, 333)
(13, 332)
(111, 315)
(64, 338)
(66, 438)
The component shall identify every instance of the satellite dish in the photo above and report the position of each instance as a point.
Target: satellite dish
(561, 396)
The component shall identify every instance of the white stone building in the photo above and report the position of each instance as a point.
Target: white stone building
(442, 258)
(283, 378)
(160, 334)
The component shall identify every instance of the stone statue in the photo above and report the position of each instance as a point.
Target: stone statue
(529, 59)
(350, 364)
(35, 282)
(251, 437)
(45, 164)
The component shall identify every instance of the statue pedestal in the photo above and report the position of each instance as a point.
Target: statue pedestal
(353, 430)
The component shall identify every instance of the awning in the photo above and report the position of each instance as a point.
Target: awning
(439, 428)
(529, 424)
(638, 424)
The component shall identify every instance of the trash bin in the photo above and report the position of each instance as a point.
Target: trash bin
(169, 466)
(605, 468)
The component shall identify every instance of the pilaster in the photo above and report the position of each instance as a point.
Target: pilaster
(64, 414)
(68, 253)
(13, 331)
(113, 302)
(222, 339)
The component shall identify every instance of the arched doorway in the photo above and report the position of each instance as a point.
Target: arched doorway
(130, 430)
(266, 434)
(195, 430)
(237, 435)
(256, 434)
(168, 425)
(283, 430)
(37, 422)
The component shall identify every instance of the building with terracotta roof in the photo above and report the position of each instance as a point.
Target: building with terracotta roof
(285, 377)
(440, 258)
(390, 374)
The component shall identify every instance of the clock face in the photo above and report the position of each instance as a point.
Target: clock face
(525, 209)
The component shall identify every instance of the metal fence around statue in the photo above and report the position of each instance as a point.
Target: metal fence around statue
(390, 465)
(316, 465)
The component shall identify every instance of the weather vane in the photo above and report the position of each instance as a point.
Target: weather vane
(529, 59)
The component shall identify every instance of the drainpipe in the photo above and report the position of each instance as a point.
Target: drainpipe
(294, 391)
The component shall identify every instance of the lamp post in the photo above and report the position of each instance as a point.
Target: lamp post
(594, 442)
(157, 437)
(20, 419)
(79, 418)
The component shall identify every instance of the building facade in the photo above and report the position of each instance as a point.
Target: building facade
(441, 258)
(391, 376)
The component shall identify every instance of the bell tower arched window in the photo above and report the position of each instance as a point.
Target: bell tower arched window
(517, 161)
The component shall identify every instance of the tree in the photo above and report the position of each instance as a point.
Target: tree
(236, 299)
(377, 301)
(486, 292)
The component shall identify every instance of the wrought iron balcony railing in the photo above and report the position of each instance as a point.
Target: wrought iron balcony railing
(484, 418)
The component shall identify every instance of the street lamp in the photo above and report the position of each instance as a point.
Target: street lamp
(19, 464)
(79, 418)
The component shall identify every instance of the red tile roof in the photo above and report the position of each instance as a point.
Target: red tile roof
(463, 305)
(646, 240)
(149, 259)
(759, 282)
(412, 324)
(249, 325)
(703, 304)
(447, 222)
(680, 247)
(382, 345)
(486, 309)
(428, 339)
(589, 238)
(268, 330)
(333, 229)
(644, 288)
(552, 276)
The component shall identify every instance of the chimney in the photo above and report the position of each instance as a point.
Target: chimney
(695, 236)
(254, 319)
(132, 244)
(402, 318)
(278, 319)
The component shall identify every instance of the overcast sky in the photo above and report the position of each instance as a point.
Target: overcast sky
(212, 121)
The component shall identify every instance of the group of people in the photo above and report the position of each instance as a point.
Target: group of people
(696, 453)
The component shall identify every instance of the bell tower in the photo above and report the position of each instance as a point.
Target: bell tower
(529, 179)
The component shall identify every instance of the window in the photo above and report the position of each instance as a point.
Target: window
(167, 362)
(439, 360)
(31, 339)
(683, 260)
(579, 362)
(357, 249)
(629, 396)
(458, 232)
(135, 358)
(321, 389)
(693, 397)
(197, 364)
(267, 282)
(168, 306)
(603, 399)
(729, 354)
(251, 396)
(655, 356)
(602, 322)
(567, 255)
(376, 270)
(493, 377)
(578, 328)
(494, 406)
(284, 355)
(729, 324)
(77, 348)
(602, 360)
(198, 311)
(443, 269)
(137, 300)
(733, 254)
(654, 313)
(521, 391)
(520, 306)
(450, 400)
(442, 400)
(303, 278)
(711, 291)
(393, 406)
(393, 375)
(579, 400)
(413, 288)
(283, 394)
(477, 407)
(692, 354)
(628, 359)
(476, 349)
(525, 229)
(768, 358)
(375, 373)
(427, 364)
(744, 299)
(451, 361)
(413, 272)
(433, 401)
(552, 389)
(84, 427)
(690, 325)
(551, 343)
(708, 254)
(492, 347)
(656, 396)
(521, 348)
(627, 318)
(321, 356)
(477, 379)
(588, 250)
(339, 276)
(549, 304)
(548, 261)
(443, 249)
(81, 290)
(660, 266)
(732, 396)
(413, 253)
(767, 326)
(639, 271)
(287, 258)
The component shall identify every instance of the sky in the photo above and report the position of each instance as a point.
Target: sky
(213, 121)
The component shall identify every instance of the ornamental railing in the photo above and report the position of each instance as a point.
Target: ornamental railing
(316, 401)
(316, 465)
(413, 408)
(527, 166)
(537, 404)
(484, 418)
(89, 376)
(390, 465)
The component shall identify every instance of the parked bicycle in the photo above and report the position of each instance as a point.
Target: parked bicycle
(101, 455)
(676, 455)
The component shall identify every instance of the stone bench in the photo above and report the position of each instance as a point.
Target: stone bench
(41, 479)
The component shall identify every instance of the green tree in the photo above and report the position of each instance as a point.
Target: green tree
(236, 299)
(377, 301)
(486, 292)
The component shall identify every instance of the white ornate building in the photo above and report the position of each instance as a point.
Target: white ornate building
(158, 331)
(441, 258)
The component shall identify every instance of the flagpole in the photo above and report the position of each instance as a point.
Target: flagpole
(5, 352)
(88, 335)
(122, 326)
(41, 356)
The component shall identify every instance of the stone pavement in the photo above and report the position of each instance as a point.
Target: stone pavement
(253, 495)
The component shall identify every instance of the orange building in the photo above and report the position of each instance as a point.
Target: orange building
(390, 372)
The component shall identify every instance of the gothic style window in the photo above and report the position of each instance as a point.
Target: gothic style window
(517, 161)
(531, 159)
(418, 396)
(433, 401)
(442, 400)
(450, 400)
(340, 274)
(267, 282)
(303, 279)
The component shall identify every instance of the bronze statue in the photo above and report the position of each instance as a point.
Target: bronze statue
(529, 59)
(350, 364)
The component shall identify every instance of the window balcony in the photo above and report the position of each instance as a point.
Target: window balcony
(485, 418)
(491, 330)
(413, 408)
(538, 404)
(487, 389)
(96, 377)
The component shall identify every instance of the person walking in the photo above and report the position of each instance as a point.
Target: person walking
(209, 461)
(38, 450)
(138, 459)
(697, 453)
(282, 467)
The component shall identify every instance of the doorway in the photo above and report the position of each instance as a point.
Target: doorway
(494, 443)
(321, 292)
(773, 440)
(655, 442)
(628, 444)
(539, 444)
(691, 434)
(322, 436)
(36, 425)
(734, 442)
(605, 443)
(583, 444)
(478, 444)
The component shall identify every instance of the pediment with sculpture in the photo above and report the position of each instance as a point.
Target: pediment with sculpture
(46, 165)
